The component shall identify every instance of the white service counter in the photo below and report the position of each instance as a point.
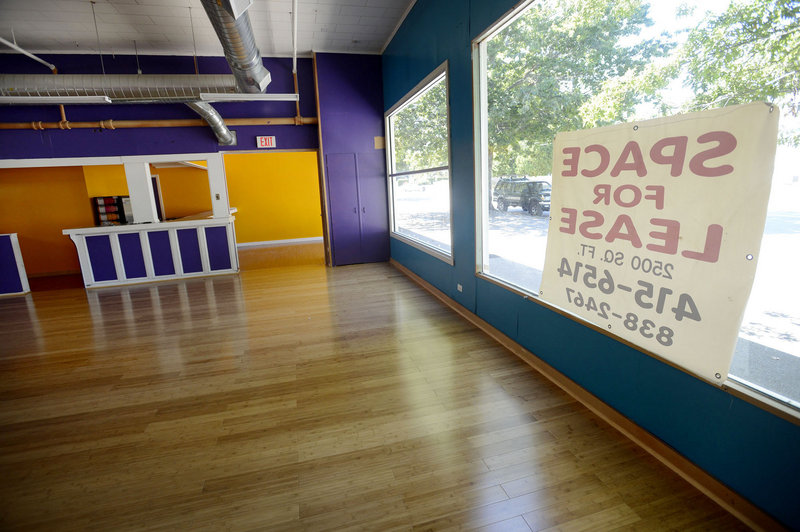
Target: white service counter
(135, 253)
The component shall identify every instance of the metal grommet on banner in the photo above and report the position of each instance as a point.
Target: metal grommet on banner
(636, 128)
(717, 375)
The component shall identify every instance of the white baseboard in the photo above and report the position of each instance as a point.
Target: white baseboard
(279, 243)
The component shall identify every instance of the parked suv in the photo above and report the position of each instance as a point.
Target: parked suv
(532, 196)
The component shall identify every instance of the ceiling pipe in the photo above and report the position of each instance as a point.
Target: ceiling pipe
(178, 122)
(12, 45)
(239, 44)
(51, 66)
(294, 55)
(294, 36)
(225, 136)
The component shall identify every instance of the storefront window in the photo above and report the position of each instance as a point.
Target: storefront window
(419, 166)
(566, 65)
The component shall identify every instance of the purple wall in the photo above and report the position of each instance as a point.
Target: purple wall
(10, 282)
(351, 116)
(22, 144)
(351, 109)
(351, 101)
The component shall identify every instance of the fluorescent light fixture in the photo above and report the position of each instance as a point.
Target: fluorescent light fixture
(52, 100)
(245, 97)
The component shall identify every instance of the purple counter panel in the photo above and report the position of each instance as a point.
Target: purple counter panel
(12, 274)
(130, 245)
(161, 252)
(101, 258)
(219, 254)
(190, 251)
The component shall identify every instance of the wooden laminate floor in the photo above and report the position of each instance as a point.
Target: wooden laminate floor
(301, 398)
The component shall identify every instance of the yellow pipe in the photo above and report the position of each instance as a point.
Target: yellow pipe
(128, 124)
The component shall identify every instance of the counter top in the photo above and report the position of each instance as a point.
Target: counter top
(189, 221)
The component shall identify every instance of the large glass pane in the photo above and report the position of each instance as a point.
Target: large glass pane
(422, 208)
(419, 131)
(768, 351)
(419, 160)
(518, 224)
(543, 71)
(566, 65)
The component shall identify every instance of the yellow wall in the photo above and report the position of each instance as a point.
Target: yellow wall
(185, 191)
(105, 180)
(37, 203)
(276, 194)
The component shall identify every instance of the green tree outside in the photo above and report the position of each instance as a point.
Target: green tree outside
(544, 67)
(574, 64)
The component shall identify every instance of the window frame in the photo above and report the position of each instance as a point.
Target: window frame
(738, 387)
(440, 73)
(480, 105)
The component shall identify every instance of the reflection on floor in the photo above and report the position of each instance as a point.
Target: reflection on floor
(55, 282)
(250, 258)
(254, 258)
(301, 398)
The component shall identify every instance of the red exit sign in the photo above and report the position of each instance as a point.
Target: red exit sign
(265, 142)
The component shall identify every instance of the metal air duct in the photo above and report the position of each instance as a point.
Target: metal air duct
(124, 88)
(239, 44)
(235, 33)
(131, 88)
(225, 136)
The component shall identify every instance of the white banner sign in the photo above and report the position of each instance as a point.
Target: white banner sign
(656, 228)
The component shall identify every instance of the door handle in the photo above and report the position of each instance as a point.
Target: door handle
(364, 210)
(355, 210)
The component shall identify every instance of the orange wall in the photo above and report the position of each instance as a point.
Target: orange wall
(276, 194)
(37, 203)
(105, 180)
(185, 191)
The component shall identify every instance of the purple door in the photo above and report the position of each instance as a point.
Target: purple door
(374, 211)
(340, 170)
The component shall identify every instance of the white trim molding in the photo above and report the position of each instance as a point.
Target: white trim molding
(280, 243)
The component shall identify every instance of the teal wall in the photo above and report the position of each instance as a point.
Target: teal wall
(753, 452)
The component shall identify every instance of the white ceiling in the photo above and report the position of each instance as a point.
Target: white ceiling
(165, 26)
